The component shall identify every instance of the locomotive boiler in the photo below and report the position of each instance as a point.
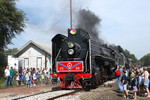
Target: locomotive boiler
(79, 60)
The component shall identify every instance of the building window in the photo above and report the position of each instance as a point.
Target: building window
(26, 62)
(39, 63)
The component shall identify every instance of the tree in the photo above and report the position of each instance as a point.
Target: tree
(12, 22)
(3, 63)
(145, 60)
(131, 56)
(11, 51)
(3, 58)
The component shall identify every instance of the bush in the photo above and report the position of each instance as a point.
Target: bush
(3, 63)
(2, 82)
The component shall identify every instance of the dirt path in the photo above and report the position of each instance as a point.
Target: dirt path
(109, 91)
(18, 91)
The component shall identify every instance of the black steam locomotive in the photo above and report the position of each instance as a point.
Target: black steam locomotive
(80, 60)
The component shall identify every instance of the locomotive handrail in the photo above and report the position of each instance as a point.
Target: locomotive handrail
(90, 55)
(86, 61)
(57, 56)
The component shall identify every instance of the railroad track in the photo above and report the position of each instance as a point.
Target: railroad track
(55, 93)
(49, 95)
(53, 89)
(66, 94)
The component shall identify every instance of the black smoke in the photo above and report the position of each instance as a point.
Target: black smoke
(89, 22)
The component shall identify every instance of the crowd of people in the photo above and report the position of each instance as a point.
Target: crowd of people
(25, 76)
(136, 79)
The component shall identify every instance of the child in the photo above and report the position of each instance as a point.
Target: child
(46, 77)
(42, 78)
(124, 84)
(132, 73)
(27, 79)
(30, 78)
(134, 86)
(141, 89)
(50, 79)
(34, 79)
(23, 77)
(17, 78)
(38, 74)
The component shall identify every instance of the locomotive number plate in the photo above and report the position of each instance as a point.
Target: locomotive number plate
(70, 66)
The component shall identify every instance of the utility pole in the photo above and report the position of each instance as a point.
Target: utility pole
(71, 14)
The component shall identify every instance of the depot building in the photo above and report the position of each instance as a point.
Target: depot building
(32, 55)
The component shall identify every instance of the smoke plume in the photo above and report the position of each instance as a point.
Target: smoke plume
(89, 22)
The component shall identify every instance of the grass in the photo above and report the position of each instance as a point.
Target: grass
(2, 83)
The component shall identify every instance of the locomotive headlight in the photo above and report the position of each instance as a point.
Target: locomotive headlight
(70, 51)
(70, 45)
(55, 75)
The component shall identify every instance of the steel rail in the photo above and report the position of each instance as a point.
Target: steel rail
(66, 94)
(57, 89)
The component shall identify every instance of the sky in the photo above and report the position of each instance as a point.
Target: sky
(124, 22)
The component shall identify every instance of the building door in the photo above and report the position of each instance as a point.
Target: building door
(26, 62)
(39, 62)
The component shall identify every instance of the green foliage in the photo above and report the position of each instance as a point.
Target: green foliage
(131, 56)
(3, 63)
(145, 60)
(2, 81)
(11, 51)
(3, 59)
(12, 22)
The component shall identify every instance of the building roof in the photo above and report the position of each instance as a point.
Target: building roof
(42, 46)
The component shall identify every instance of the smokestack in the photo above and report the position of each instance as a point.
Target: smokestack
(89, 22)
(71, 14)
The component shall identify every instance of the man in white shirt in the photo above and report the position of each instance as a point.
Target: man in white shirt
(7, 76)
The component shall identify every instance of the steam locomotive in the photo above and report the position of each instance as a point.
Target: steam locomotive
(79, 60)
